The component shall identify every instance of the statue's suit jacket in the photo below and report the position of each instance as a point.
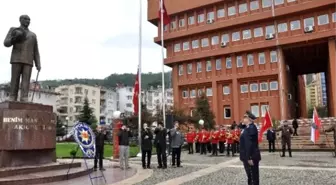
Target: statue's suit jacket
(25, 52)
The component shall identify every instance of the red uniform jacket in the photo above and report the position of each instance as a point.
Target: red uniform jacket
(207, 137)
(200, 136)
(231, 139)
(191, 137)
(237, 133)
(223, 137)
(215, 137)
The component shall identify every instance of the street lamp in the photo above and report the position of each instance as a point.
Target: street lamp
(67, 125)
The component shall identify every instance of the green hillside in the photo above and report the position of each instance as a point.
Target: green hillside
(128, 79)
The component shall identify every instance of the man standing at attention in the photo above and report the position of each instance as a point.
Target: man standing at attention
(161, 145)
(124, 135)
(249, 149)
(25, 52)
(176, 144)
(295, 126)
(146, 146)
(100, 138)
(271, 136)
(333, 129)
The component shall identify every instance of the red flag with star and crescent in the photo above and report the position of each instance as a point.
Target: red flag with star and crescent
(266, 124)
(166, 18)
(136, 94)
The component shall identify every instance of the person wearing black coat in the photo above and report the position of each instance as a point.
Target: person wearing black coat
(249, 149)
(160, 142)
(146, 146)
(295, 126)
(100, 138)
(271, 136)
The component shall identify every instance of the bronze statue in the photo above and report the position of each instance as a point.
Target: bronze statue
(25, 51)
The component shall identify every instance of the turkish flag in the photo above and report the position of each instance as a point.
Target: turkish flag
(315, 133)
(136, 94)
(267, 123)
(166, 18)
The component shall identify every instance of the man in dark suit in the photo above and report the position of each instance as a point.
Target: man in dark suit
(271, 139)
(100, 138)
(146, 146)
(295, 126)
(25, 52)
(161, 145)
(249, 149)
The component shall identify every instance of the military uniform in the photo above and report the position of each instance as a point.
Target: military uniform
(286, 133)
(333, 129)
(222, 140)
(249, 150)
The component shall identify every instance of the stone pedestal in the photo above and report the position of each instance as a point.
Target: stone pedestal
(27, 134)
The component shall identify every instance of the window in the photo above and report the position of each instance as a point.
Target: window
(263, 108)
(334, 17)
(258, 32)
(173, 25)
(226, 90)
(273, 85)
(243, 8)
(255, 110)
(295, 25)
(191, 20)
(208, 66)
(278, 2)
(180, 70)
(261, 58)
(184, 94)
(220, 13)
(195, 44)
(232, 11)
(323, 19)
(200, 92)
(128, 105)
(218, 64)
(189, 68)
(225, 38)
(254, 87)
(254, 5)
(250, 60)
(239, 61)
(199, 67)
(282, 27)
(291, 1)
(177, 47)
(308, 22)
(214, 40)
(181, 23)
(246, 34)
(266, 3)
(165, 27)
(205, 42)
(228, 63)
(263, 86)
(193, 93)
(227, 112)
(236, 36)
(270, 29)
(185, 46)
(209, 92)
(274, 56)
(210, 16)
(200, 18)
(244, 88)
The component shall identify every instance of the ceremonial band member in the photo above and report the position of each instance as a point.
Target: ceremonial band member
(146, 146)
(207, 141)
(333, 129)
(214, 141)
(202, 141)
(286, 133)
(161, 145)
(100, 138)
(222, 140)
(191, 135)
(230, 136)
(249, 149)
(236, 140)
(198, 145)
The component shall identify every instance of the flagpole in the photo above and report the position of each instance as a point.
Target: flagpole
(162, 66)
(139, 78)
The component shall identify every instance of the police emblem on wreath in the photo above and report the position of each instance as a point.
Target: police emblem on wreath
(85, 138)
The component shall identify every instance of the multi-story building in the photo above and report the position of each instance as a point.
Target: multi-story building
(125, 97)
(71, 101)
(248, 55)
(323, 89)
(153, 99)
(316, 91)
(41, 96)
(108, 104)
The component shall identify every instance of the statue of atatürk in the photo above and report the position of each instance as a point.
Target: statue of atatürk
(25, 51)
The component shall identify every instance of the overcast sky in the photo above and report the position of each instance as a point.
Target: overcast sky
(83, 38)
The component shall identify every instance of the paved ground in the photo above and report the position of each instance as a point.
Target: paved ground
(302, 168)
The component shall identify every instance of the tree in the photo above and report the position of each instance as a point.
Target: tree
(86, 114)
(203, 112)
(321, 110)
(60, 127)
